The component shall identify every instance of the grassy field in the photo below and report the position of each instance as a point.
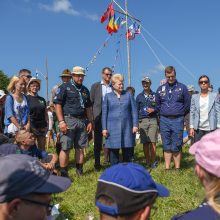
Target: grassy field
(186, 192)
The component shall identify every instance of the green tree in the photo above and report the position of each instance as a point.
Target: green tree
(4, 81)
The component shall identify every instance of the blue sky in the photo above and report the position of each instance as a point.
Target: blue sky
(69, 33)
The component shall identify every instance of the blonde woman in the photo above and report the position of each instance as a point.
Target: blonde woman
(207, 154)
(16, 107)
(119, 121)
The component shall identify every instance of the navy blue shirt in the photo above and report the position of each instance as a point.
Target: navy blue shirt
(173, 100)
(33, 151)
(73, 98)
(204, 212)
(144, 102)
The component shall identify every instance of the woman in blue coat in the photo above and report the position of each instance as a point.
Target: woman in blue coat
(119, 121)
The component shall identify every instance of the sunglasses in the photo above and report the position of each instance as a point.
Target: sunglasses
(203, 82)
(48, 207)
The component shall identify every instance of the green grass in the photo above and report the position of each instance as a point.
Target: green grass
(185, 190)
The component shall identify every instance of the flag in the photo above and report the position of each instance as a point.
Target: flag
(113, 24)
(130, 35)
(132, 31)
(108, 13)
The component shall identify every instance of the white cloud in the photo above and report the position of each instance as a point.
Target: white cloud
(157, 69)
(65, 6)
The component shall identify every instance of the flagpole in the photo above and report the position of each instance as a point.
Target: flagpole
(46, 77)
(128, 47)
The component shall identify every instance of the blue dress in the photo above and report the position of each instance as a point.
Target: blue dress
(119, 116)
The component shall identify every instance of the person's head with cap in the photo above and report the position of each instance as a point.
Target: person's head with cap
(2, 96)
(207, 158)
(25, 74)
(33, 86)
(26, 188)
(146, 83)
(127, 191)
(66, 75)
(78, 74)
(191, 89)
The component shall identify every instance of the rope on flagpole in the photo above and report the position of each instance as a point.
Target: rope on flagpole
(98, 52)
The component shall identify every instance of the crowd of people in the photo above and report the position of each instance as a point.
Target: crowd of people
(110, 116)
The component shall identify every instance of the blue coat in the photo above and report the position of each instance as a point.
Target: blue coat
(119, 116)
(213, 111)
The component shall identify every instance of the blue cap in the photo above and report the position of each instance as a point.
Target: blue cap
(129, 186)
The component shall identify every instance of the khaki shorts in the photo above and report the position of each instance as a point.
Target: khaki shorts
(148, 130)
(76, 135)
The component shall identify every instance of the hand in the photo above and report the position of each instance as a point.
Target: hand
(135, 130)
(150, 110)
(89, 127)
(105, 133)
(49, 166)
(191, 132)
(63, 127)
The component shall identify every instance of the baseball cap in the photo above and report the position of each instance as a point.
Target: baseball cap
(22, 175)
(190, 88)
(2, 94)
(129, 186)
(207, 152)
(146, 79)
(78, 70)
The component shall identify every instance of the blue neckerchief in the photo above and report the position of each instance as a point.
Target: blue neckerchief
(80, 93)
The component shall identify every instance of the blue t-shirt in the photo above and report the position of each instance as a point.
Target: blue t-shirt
(203, 212)
(33, 151)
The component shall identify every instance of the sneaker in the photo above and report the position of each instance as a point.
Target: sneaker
(154, 165)
(148, 166)
(79, 172)
(97, 168)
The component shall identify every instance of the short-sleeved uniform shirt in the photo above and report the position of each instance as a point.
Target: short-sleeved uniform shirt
(73, 98)
(37, 106)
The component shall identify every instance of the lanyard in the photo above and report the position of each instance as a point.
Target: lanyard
(80, 95)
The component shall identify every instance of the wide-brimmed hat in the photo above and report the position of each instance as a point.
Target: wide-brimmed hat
(129, 186)
(66, 72)
(33, 79)
(2, 94)
(22, 175)
(207, 152)
(78, 70)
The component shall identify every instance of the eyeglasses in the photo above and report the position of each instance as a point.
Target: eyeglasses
(47, 206)
(108, 74)
(203, 82)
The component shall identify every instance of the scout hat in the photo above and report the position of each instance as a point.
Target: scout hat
(66, 72)
(78, 70)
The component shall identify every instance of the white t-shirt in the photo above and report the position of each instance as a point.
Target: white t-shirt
(204, 118)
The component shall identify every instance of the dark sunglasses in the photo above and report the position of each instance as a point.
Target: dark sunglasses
(205, 82)
(47, 206)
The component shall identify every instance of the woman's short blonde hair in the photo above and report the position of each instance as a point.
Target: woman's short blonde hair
(117, 77)
(13, 81)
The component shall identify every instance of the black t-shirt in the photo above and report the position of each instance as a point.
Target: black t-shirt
(37, 106)
(74, 99)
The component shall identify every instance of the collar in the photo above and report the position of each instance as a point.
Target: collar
(102, 83)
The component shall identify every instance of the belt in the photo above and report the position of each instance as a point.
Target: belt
(75, 116)
(172, 116)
